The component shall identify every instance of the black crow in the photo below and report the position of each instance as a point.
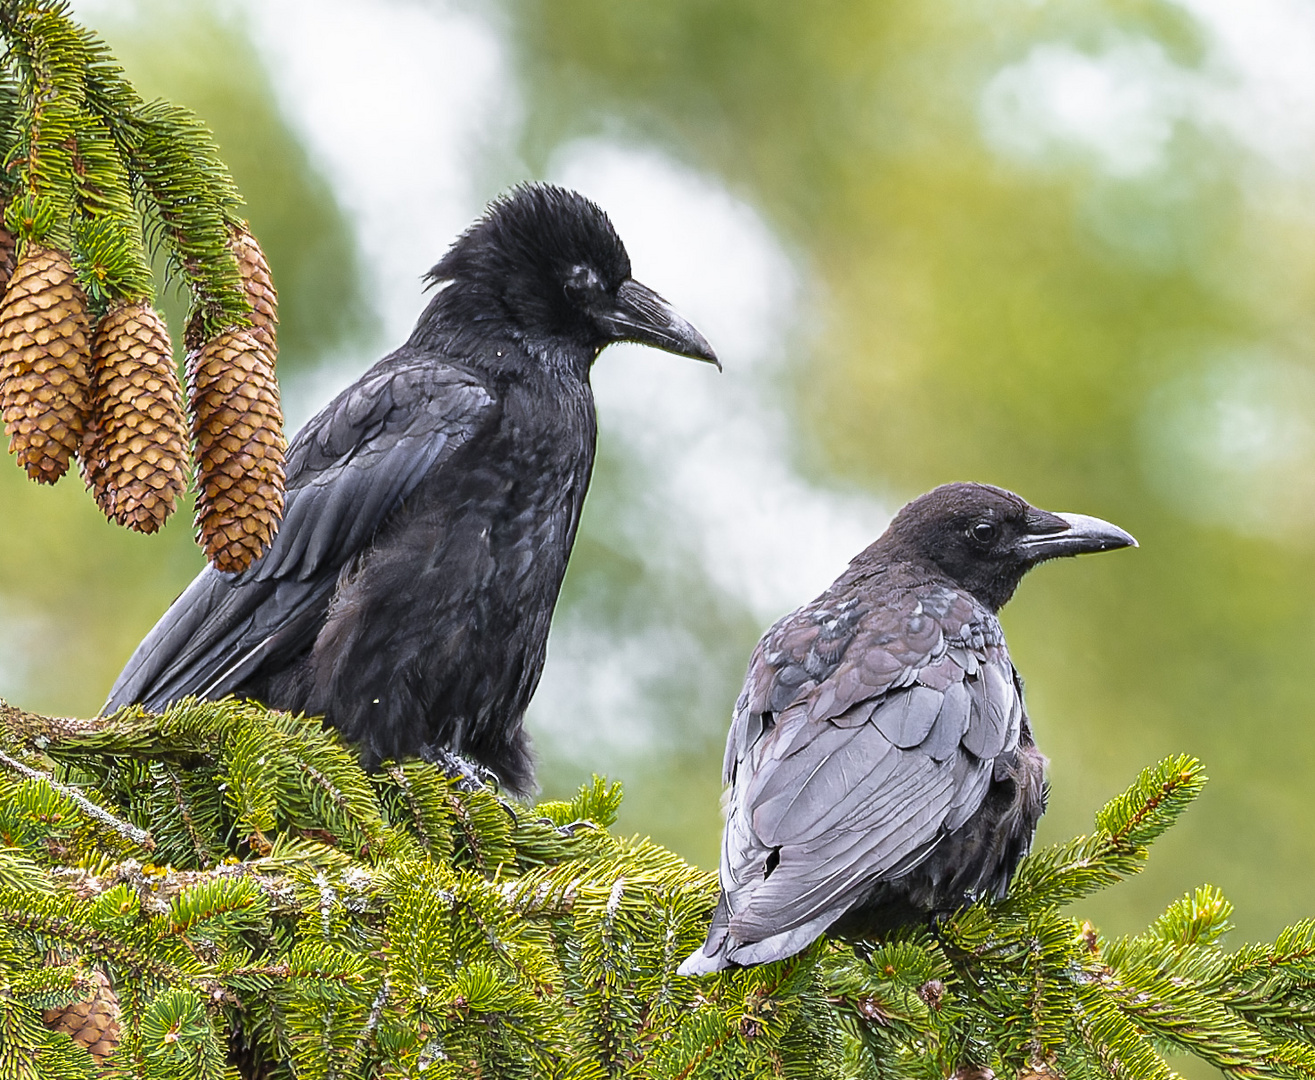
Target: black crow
(880, 762)
(431, 507)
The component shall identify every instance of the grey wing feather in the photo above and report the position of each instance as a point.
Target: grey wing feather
(348, 469)
(906, 719)
(997, 712)
(847, 809)
(972, 777)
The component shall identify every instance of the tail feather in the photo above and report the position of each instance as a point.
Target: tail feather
(711, 955)
(723, 950)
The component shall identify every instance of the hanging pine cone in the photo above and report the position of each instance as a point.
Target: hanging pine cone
(8, 251)
(93, 1022)
(134, 451)
(91, 462)
(44, 363)
(238, 429)
(259, 287)
(260, 292)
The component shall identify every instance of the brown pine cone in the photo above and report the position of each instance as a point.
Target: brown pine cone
(45, 357)
(260, 292)
(259, 284)
(238, 429)
(134, 451)
(92, 464)
(93, 1022)
(8, 251)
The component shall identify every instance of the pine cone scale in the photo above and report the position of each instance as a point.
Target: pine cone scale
(92, 1023)
(259, 284)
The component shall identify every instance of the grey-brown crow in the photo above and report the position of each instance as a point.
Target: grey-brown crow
(880, 762)
(431, 507)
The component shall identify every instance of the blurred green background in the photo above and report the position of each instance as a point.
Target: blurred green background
(1065, 248)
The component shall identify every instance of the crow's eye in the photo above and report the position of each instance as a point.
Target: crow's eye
(583, 280)
(983, 532)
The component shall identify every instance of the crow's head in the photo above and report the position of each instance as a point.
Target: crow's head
(548, 264)
(985, 538)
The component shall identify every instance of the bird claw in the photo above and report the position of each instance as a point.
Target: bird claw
(570, 828)
(940, 926)
(574, 826)
(468, 775)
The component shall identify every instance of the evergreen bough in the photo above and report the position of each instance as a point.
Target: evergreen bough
(93, 179)
(91, 166)
(263, 907)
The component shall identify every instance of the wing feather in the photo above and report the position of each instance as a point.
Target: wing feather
(811, 874)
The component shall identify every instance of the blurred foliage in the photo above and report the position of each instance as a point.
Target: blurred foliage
(200, 56)
(1041, 322)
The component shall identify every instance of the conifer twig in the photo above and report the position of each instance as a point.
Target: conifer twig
(372, 1022)
(126, 829)
(33, 729)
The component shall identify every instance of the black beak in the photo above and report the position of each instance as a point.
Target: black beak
(643, 316)
(1054, 536)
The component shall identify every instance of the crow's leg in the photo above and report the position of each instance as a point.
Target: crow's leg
(470, 776)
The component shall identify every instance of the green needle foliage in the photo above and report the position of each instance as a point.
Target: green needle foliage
(262, 907)
(92, 169)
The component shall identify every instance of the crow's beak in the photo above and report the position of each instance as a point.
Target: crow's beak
(1053, 536)
(643, 316)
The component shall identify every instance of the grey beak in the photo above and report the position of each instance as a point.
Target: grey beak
(1075, 534)
(643, 316)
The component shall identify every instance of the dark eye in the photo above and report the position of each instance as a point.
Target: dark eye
(983, 532)
(582, 280)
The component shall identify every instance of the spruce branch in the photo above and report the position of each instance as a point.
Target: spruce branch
(95, 177)
(1125, 827)
(137, 836)
(394, 923)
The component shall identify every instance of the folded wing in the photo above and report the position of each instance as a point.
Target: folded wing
(348, 469)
